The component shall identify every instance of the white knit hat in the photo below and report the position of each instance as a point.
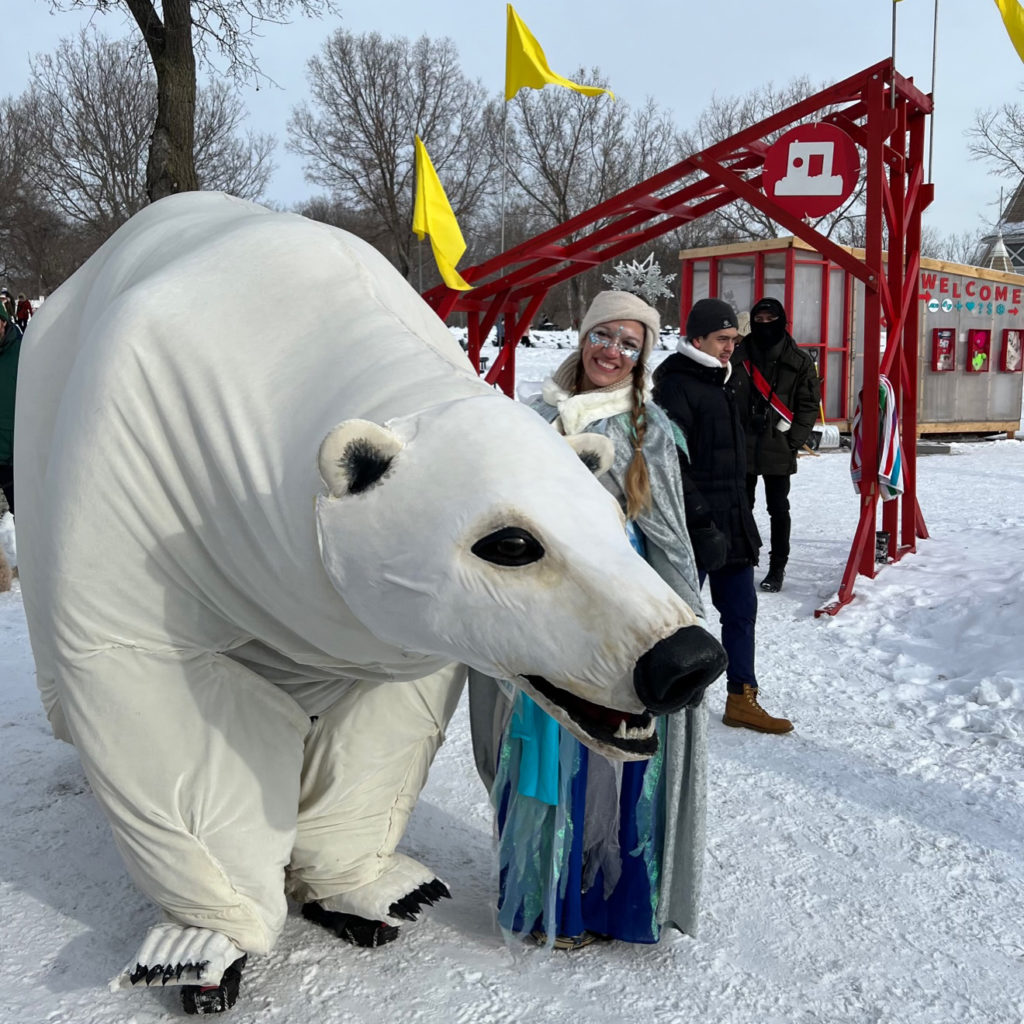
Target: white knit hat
(612, 305)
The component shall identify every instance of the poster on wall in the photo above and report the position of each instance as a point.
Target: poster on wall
(979, 350)
(1012, 358)
(943, 349)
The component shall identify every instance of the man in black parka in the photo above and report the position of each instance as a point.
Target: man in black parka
(704, 395)
(783, 401)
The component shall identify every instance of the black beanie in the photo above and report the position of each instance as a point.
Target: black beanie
(769, 306)
(708, 316)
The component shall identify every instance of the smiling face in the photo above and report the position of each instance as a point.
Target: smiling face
(609, 353)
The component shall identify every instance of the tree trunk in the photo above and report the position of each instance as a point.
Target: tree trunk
(171, 165)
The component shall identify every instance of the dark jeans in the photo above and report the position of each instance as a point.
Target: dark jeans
(7, 484)
(776, 497)
(735, 600)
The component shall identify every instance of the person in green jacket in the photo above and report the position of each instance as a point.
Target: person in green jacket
(10, 347)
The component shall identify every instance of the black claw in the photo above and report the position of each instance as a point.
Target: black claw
(154, 972)
(169, 973)
(137, 975)
(203, 999)
(438, 889)
(404, 908)
(424, 896)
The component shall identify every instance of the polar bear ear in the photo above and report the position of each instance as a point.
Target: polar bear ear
(355, 455)
(596, 451)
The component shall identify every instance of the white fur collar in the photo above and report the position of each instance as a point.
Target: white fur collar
(577, 412)
(703, 358)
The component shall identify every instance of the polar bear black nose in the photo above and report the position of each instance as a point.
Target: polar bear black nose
(676, 671)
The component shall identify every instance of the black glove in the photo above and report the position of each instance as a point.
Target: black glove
(710, 547)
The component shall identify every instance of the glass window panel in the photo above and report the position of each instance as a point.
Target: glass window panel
(736, 282)
(805, 319)
(836, 334)
(701, 276)
(775, 276)
(835, 387)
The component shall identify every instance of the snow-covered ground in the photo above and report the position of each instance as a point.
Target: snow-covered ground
(866, 869)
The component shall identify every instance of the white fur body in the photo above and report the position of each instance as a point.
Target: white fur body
(194, 596)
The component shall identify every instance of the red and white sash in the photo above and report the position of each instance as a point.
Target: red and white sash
(767, 392)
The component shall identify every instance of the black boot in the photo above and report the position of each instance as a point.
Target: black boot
(773, 581)
(203, 999)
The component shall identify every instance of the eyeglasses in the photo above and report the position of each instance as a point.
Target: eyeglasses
(600, 338)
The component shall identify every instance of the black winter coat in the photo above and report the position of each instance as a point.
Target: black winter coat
(792, 376)
(707, 409)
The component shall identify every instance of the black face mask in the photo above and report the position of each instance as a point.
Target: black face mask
(768, 334)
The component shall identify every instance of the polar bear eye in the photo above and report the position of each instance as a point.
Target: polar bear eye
(509, 546)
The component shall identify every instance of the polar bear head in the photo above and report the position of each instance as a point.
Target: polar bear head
(473, 531)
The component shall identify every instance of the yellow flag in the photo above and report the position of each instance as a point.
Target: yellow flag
(1013, 19)
(527, 67)
(433, 215)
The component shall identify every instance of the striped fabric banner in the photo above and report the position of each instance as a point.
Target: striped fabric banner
(890, 454)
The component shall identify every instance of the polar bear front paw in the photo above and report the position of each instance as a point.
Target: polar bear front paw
(400, 890)
(369, 934)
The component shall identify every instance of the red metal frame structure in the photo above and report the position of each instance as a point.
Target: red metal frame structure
(885, 115)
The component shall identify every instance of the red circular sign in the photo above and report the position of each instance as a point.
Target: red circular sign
(811, 170)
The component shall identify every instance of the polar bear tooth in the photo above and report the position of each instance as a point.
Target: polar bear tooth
(621, 732)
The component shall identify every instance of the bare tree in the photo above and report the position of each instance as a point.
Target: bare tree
(568, 152)
(957, 247)
(997, 137)
(370, 97)
(226, 159)
(38, 247)
(90, 107)
(173, 38)
(89, 111)
(725, 116)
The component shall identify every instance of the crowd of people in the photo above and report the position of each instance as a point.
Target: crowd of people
(591, 849)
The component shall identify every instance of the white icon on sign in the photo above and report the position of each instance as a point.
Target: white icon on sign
(933, 305)
(799, 181)
(947, 305)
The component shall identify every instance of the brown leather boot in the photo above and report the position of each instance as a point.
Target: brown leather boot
(743, 712)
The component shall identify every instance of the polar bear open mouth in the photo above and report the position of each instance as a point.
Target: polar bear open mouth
(632, 734)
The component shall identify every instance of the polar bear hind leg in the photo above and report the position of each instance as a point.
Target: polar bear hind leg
(366, 762)
(202, 801)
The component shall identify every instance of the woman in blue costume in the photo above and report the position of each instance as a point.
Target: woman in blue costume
(590, 847)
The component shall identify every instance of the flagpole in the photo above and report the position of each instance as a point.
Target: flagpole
(504, 171)
(420, 248)
(931, 123)
(892, 88)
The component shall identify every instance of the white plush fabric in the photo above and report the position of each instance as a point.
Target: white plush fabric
(195, 592)
(688, 349)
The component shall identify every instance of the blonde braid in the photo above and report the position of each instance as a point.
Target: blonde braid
(638, 482)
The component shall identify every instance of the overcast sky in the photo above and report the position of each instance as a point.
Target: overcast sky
(681, 53)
